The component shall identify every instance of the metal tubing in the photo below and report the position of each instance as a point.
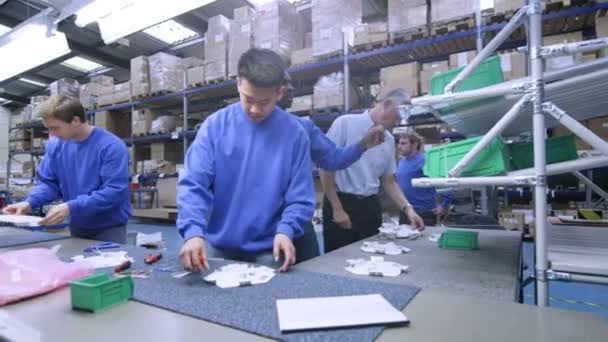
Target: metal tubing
(572, 48)
(565, 167)
(493, 91)
(466, 182)
(185, 116)
(495, 131)
(500, 38)
(576, 127)
(566, 276)
(589, 183)
(346, 74)
(540, 189)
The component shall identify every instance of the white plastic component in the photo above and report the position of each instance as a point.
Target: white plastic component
(375, 266)
(21, 220)
(235, 275)
(389, 248)
(399, 231)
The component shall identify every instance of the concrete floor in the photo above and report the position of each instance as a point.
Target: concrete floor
(591, 298)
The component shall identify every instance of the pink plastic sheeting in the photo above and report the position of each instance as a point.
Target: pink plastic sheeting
(31, 272)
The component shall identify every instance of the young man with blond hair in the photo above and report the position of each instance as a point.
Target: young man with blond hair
(86, 167)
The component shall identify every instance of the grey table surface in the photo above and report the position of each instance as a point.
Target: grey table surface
(436, 314)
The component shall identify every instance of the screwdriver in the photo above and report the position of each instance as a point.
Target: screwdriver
(123, 266)
(152, 258)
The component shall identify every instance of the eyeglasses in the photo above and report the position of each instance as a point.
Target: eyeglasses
(404, 111)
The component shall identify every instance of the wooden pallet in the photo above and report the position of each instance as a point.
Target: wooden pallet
(102, 105)
(412, 34)
(458, 24)
(327, 110)
(161, 92)
(216, 81)
(140, 135)
(195, 85)
(370, 46)
(331, 55)
(140, 96)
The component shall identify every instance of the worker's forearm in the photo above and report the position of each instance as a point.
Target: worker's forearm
(394, 192)
(328, 183)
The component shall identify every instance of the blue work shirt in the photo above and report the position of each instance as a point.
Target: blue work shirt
(422, 199)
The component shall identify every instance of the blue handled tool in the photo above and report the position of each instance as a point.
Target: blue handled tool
(101, 246)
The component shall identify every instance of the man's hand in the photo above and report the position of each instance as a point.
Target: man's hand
(282, 243)
(193, 255)
(440, 211)
(20, 208)
(56, 215)
(415, 220)
(342, 219)
(373, 137)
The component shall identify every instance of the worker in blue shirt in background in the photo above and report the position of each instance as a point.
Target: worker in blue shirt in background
(246, 191)
(86, 167)
(424, 200)
(328, 156)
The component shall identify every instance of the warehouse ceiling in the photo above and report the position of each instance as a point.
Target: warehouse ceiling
(115, 58)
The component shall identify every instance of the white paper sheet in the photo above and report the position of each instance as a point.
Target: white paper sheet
(105, 259)
(21, 220)
(336, 312)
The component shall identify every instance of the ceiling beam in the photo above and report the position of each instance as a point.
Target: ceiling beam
(14, 98)
(96, 54)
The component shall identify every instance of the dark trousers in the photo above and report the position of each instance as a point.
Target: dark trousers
(112, 234)
(429, 218)
(365, 215)
(307, 246)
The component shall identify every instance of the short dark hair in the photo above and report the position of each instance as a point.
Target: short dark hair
(64, 108)
(264, 68)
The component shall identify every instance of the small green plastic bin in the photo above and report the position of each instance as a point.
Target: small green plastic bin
(456, 239)
(99, 292)
(492, 161)
(486, 74)
(558, 149)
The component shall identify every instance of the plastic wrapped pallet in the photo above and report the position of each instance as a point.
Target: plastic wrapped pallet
(461, 59)
(279, 27)
(141, 121)
(301, 104)
(65, 87)
(122, 92)
(406, 15)
(369, 33)
(514, 65)
(329, 19)
(506, 6)
(140, 76)
(329, 92)
(216, 48)
(102, 80)
(166, 73)
(406, 76)
(191, 62)
(449, 10)
(106, 95)
(89, 92)
(556, 63)
(195, 76)
(301, 56)
(241, 37)
(428, 71)
(163, 124)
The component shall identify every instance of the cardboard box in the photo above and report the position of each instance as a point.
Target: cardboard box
(89, 94)
(461, 59)
(301, 103)
(301, 56)
(308, 40)
(170, 151)
(217, 43)
(141, 120)
(156, 166)
(196, 76)
(167, 192)
(506, 6)
(191, 62)
(428, 71)
(599, 126)
(122, 92)
(562, 62)
(329, 20)
(140, 76)
(65, 87)
(514, 65)
(449, 10)
(406, 76)
(102, 80)
(405, 15)
(512, 221)
(166, 73)
(370, 33)
(241, 37)
(279, 27)
(115, 122)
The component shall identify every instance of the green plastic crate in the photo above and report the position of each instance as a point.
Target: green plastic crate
(486, 74)
(99, 292)
(456, 239)
(491, 161)
(558, 149)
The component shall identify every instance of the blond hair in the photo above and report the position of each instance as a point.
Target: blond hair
(64, 108)
(413, 138)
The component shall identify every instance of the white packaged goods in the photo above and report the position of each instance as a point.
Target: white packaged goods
(163, 124)
(166, 73)
(241, 37)
(216, 48)
(196, 76)
(279, 27)
(65, 87)
(329, 21)
(446, 10)
(405, 15)
(140, 76)
(329, 92)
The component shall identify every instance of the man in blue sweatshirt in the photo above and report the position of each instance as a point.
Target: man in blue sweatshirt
(247, 192)
(87, 168)
(424, 200)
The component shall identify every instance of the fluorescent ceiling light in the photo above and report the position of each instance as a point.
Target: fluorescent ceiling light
(4, 101)
(135, 15)
(486, 4)
(4, 29)
(170, 32)
(82, 64)
(31, 44)
(27, 80)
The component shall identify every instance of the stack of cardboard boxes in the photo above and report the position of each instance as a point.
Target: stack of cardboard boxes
(406, 15)
(241, 37)
(279, 27)
(330, 19)
(370, 33)
(216, 48)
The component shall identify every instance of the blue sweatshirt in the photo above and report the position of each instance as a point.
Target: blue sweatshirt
(325, 153)
(245, 182)
(92, 176)
(422, 199)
